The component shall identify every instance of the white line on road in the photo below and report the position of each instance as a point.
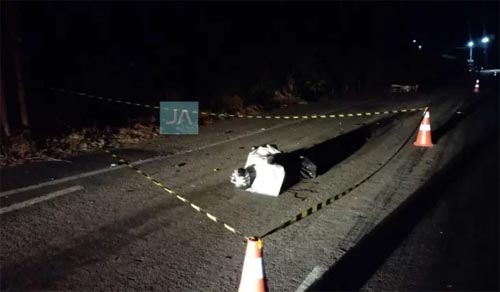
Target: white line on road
(311, 278)
(37, 200)
(139, 162)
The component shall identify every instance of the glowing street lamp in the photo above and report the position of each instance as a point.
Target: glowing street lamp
(470, 44)
(485, 40)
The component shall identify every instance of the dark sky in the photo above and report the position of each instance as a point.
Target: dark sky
(375, 24)
(185, 41)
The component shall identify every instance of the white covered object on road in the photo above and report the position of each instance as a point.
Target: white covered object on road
(266, 177)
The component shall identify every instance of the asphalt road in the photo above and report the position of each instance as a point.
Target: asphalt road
(121, 232)
(454, 247)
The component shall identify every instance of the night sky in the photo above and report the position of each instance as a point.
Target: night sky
(208, 48)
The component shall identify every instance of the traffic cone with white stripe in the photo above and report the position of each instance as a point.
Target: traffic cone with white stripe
(476, 86)
(424, 138)
(253, 277)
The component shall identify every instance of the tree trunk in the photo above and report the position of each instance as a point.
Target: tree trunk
(4, 128)
(16, 54)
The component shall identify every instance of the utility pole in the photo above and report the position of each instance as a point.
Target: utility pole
(16, 56)
(3, 113)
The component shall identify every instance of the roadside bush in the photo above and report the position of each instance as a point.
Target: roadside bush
(233, 103)
(287, 95)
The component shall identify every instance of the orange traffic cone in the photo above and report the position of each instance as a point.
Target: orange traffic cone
(476, 88)
(424, 138)
(252, 277)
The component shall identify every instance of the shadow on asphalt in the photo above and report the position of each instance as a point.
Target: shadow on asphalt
(40, 272)
(454, 121)
(352, 271)
(324, 155)
(331, 152)
(471, 105)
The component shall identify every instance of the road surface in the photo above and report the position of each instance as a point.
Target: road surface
(117, 231)
(455, 245)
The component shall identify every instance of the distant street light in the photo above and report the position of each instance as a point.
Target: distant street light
(470, 45)
(485, 40)
(419, 47)
(414, 41)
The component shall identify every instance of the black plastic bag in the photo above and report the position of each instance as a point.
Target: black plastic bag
(307, 168)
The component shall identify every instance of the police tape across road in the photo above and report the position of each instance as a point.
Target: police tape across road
(225, 115)
(181, 198)
(313, 209)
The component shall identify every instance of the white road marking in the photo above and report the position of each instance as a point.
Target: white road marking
(37, 200)
(311, 278)
(139, 162)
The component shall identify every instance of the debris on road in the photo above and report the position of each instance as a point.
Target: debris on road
(307, 168)
(296, 195)
(406, 88)
(241, 178)
(260, 174)
(266, 168)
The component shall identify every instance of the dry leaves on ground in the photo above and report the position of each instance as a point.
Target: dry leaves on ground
(20, 148)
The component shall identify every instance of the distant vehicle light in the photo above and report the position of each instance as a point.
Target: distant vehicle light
(419, 47)
(485, 40)
(414, 41)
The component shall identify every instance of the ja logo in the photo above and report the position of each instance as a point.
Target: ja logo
(179, 117)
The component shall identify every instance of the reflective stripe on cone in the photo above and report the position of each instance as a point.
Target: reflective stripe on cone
(253, 276)
(424, 138)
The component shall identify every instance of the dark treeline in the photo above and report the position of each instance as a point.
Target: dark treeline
(201, 51)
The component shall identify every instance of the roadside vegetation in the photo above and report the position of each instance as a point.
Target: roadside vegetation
(25, 146)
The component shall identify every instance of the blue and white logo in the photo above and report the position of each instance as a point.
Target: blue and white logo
(179, 117)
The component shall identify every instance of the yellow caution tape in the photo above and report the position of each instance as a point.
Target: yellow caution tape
(309, 211)
(332, 199)
(179, 197)
(260, 244)
(277, 117)
(297, 218)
